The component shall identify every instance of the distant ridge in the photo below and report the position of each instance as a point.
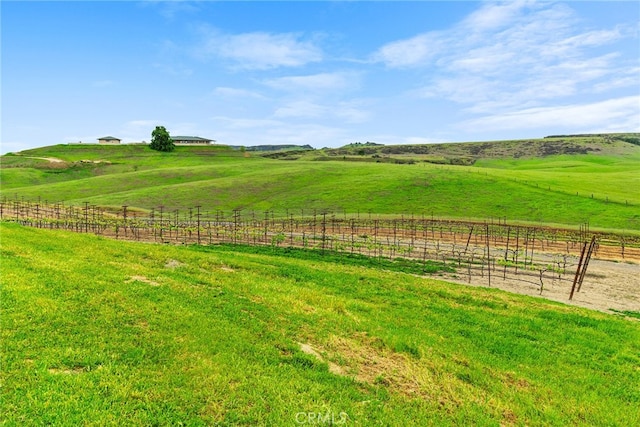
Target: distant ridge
(467, 153)
(272, 147)
(632, 138)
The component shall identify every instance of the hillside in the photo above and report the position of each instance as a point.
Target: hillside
(568, 189)
(115, 332)
(467, 153)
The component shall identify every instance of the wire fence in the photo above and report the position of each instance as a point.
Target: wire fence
(490, 250)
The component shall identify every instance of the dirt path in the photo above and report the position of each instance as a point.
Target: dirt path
(49, 159)
(607, 285)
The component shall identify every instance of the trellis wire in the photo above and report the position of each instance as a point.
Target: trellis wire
(529, 254)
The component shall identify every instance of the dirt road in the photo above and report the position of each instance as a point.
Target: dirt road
(607, 286)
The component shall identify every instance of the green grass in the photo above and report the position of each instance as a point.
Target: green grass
(102, 332)
(399, 264)
(604, 177)
(568, 189)
(634, 314)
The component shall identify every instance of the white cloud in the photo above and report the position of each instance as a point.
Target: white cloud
(492, 16)
(588, 39)
(235, 92)
(247, 131)
(316, 82)
(352, 112)
(515, 56)
(259, 50)
(312, 134)
(620, 114)
(621, 78)
(414, 51)
(171, 9)
(349, 112)
(301, 109)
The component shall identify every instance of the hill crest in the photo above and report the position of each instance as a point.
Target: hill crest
(467, 153)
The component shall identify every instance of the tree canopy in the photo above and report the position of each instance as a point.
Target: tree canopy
(161, 140)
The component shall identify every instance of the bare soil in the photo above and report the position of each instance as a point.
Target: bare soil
(608, 286)
(49, 159)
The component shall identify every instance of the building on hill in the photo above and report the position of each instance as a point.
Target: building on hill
(191, 140)
(108, 140)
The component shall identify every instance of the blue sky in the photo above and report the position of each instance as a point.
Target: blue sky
(320, 73)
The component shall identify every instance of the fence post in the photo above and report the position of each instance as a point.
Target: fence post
(578, 271)
(198, 221)
(488, 253)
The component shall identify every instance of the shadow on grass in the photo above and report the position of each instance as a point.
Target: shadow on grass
(344, 258)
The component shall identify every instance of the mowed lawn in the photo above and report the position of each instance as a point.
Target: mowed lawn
(565, 190)
(102, 332)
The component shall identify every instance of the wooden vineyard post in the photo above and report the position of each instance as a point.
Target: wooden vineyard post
(90, 221)
(468, 240)
(413, 231)
(506, 254)
(353, 231)
(198, 221)
(93, 219)
(488, 254)
(161, 223)
(578, 270)
(314, 226)
(533, 244)
(324, 230)
(517, 247)
(395, 237)
(526, 247)
(375, 237)
(176, 224)
(124, 217)
(424, 241)
(592, 246)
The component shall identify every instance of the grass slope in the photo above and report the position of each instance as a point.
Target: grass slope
(106, 332)
(565, 189)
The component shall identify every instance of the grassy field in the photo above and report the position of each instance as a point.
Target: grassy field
(102, 332)
(598, 187)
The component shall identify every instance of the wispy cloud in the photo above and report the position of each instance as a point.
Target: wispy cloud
(240, 131)
(345, 111)
(258, 50)
(410, 52)
(494, 16)
(316, 82)
(301, 109)
(621, 78)
(612, 115)
(514, 55)
(171, 9)
(232, 92)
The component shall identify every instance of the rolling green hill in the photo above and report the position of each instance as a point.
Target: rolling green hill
(515, 180)
(108, 332)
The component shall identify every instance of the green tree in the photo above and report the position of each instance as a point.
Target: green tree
(161, 140)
